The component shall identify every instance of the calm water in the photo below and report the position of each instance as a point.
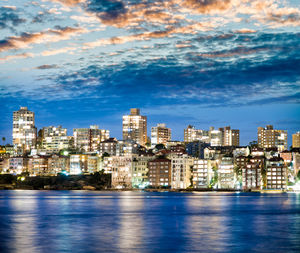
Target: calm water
(80, 221)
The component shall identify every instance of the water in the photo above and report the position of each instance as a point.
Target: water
(81, 221)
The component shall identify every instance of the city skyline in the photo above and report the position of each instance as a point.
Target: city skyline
(77, 63)
(134, 127)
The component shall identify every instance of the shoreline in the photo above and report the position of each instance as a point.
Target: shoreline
(12, 188)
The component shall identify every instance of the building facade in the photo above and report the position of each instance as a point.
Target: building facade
(24, 130)
(108, 146)
(160, 135)
(226, 176)
(269, 137)
(202, 173)
(140, 171)
(276, 174)
(230, 137)
(78, 164)
(251, 176)
(181, 170)
(191, 134)
(38, 166)
(296, 140)
(135, 127)
(160, 172)
(54, 138)
(88, 139)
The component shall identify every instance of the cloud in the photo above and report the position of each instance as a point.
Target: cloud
(49, 35)
(207, 6)
(58, 51)
(261, 72)
(68, 3)
(9, 17)
(47, 66)
(16, 56)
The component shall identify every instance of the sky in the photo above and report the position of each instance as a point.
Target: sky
(206, 63)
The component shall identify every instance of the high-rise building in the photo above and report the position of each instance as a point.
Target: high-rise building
(89, 139)
(230, 137)
(24, 130)
(216, 137)
(191, 134)
(268, 137)
(54, 138)
(135, 127)
(160, 135)
(296, 140)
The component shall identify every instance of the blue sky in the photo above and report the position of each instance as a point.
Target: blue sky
(200, 62)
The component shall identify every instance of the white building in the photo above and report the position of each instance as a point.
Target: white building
(181, 170)
(24, 130)
(160, 135)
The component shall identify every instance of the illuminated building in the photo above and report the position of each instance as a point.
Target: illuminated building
(4, 165)
(38, 166)
(160, 172)
(120, 168)
(88, 139)
(78, 164)
(109, 146)
(296, 140)
(181, 170)
(54, 138)
(140, 171)
(238, 151)
(203, 172)
(58, 164)
(269, 137)
(257, 151)
(251, 174)
(173, 143)
(135, 127)
(286, 156)
(200, 173)
(296, 163)
(230, 137)
(226, 177)
(178, 149)
(191, 134)
(92, 164)
(24, 130)
(160, 135)
(18, 164)
(276, 174)
(127, 147)
(215, 136)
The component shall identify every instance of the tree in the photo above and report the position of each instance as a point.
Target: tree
(3, 139)
(160, 146)
(214, 179)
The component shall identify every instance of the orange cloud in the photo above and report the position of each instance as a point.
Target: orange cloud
(17, 56)
(207, 6)
(68, 3)
(50, 35)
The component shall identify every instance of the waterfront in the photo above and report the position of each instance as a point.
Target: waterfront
(82, 221)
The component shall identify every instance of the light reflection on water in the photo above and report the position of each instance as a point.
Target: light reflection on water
(80, 221)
